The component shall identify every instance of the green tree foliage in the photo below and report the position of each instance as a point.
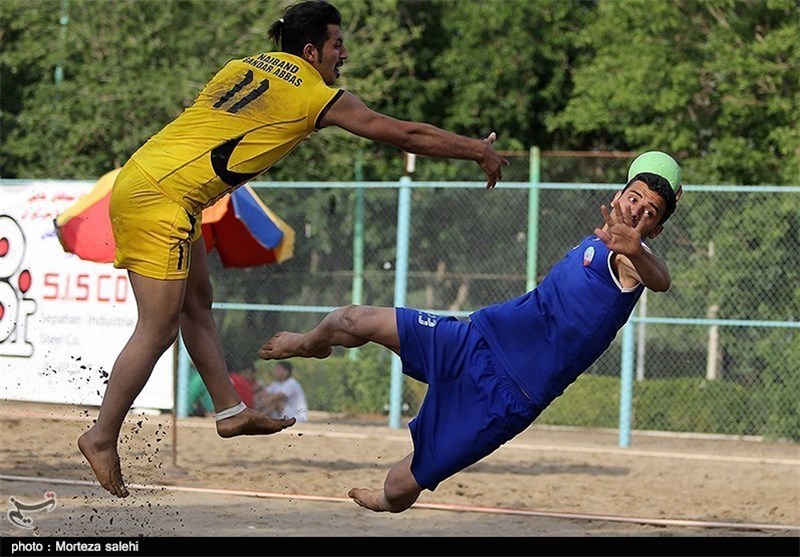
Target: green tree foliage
(715, 81)
(506, 66)
(131, 66)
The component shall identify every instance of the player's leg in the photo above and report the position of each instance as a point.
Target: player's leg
(158, 303)
(201, 337)
(348, 326)
(400, 490)
(199, 332)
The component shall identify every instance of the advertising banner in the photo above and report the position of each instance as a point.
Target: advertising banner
(63, 320)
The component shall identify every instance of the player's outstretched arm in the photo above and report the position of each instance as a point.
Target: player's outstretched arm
(349, 113)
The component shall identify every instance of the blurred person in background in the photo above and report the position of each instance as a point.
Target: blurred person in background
(284, 397)
(246, 383)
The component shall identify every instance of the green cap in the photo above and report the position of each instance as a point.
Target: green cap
(660, 164)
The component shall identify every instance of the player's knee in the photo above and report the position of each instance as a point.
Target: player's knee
(199, 300)
(162, 337)
(349, 317)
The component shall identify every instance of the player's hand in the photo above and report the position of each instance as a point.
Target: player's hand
(621, 235)
(492, 163)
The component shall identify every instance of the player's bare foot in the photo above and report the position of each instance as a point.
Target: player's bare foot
(251, 422)
(371, 499)
(289, 345)
(104, 460)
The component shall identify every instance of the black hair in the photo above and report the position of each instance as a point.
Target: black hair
(661, 186)
(285, 365)
(304, 23)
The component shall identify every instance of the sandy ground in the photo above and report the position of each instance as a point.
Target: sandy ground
(548, 482)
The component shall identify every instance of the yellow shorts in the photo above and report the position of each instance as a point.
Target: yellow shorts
(153, 234)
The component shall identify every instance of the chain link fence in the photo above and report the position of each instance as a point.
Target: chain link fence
(717, 353)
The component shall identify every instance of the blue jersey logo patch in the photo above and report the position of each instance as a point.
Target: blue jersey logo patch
(588, 255)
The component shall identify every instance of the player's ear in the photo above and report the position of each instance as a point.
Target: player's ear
(655, 232)
(310, 53)
(616, 197)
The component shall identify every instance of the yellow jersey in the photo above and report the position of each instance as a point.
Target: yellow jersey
(251, 114)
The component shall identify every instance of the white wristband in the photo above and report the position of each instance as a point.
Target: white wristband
(229, 412)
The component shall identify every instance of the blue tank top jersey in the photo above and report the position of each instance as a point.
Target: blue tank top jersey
(547, 337)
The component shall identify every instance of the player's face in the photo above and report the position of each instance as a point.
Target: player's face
(645, 205)
(279, 373)
(332, 56)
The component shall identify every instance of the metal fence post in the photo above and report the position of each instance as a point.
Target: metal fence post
(182, 386)
(400, 286)
(357, 295)
(626, 384)
(533, 218)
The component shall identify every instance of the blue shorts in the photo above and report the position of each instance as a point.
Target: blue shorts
(472, 406)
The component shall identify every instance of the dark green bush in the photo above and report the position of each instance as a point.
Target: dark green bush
(701, 406)
(592, 401)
